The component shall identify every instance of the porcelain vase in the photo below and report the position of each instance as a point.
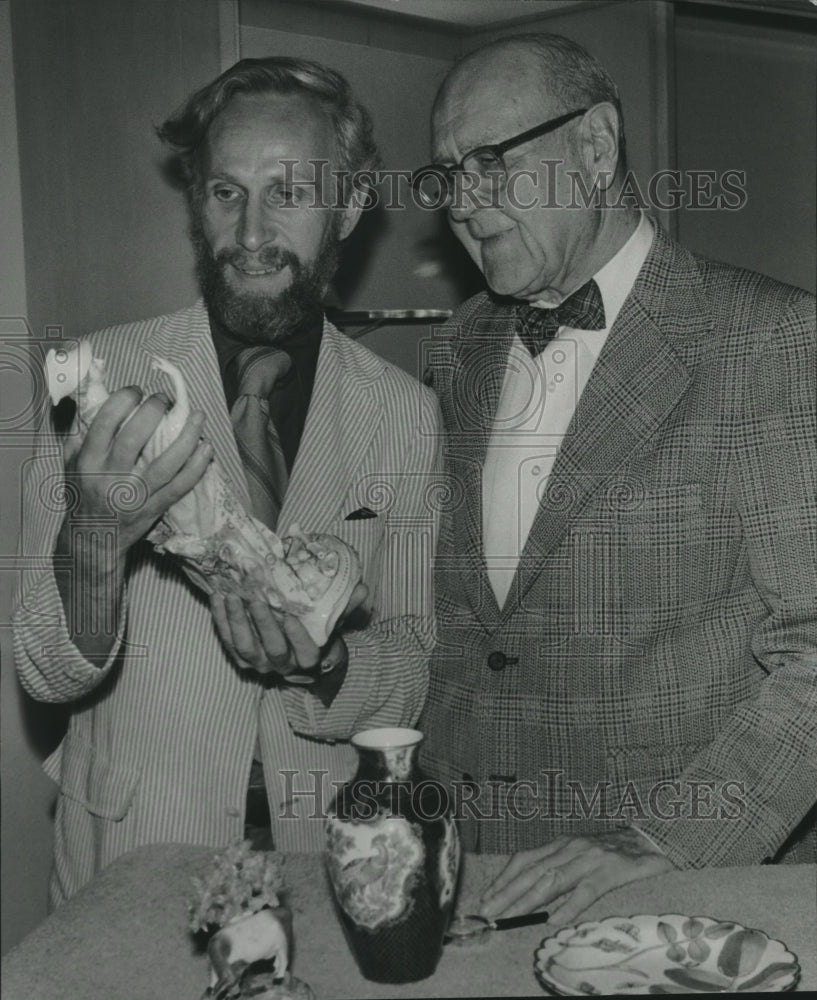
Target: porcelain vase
(393, 857)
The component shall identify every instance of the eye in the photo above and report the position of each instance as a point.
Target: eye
(225, 194)
(281, 196)
(483, 161)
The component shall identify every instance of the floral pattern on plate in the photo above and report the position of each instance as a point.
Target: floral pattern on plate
(671, 953)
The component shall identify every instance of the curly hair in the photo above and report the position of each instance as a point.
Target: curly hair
(185, 131)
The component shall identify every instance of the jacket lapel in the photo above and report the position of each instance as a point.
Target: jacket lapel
(343, 416)
(185, 340)
(641, 374)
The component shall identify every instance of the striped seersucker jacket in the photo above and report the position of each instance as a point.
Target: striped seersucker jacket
(160, 741)
(656, 658)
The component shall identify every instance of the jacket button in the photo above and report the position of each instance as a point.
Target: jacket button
(497, 660)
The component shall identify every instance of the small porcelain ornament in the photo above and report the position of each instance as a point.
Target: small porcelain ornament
(247, 939)
(237, 901)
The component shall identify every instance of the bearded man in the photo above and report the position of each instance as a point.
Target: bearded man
(180, 705)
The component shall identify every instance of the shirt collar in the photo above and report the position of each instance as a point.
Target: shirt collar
(303, 347)
(617, 277)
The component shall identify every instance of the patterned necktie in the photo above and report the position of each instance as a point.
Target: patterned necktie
(583, 310)
(257, 370)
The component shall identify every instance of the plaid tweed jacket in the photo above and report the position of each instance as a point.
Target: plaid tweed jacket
(656, 658)
(161, 740)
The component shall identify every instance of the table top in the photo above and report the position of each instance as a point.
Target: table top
(124, 936)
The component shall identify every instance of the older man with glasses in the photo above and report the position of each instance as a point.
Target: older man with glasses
(625, 678)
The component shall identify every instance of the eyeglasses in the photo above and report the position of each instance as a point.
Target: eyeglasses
(435, 184)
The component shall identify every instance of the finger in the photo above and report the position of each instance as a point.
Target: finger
(505, 902)
(304, 650)
(355, 615)
(113, 412)
(518, 863)
(169, 463)
(581, 872)
(359, 595)
(184, 481)
(569, 906)
(583, 879)
(532, 890)
(219, 612)
(273, 640)
(554, 853)
(137, 430)
(72, 443)
(559, 900)
(243, 639)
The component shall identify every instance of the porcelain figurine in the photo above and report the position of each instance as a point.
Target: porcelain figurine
(220, 546)
(237, 901)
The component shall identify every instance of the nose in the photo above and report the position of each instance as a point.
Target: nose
(471, 193)
(255, 226)
(460, 210)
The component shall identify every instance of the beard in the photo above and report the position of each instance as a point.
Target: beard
(258, 317)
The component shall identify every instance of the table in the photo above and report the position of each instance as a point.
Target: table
(124, 936)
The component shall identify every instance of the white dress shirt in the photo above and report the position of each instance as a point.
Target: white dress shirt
(536, 404)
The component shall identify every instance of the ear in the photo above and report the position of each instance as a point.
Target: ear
(350, 216)
(600, 148)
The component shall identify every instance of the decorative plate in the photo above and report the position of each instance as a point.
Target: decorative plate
(670, 953)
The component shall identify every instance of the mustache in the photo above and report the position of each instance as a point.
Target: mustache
(267, 256)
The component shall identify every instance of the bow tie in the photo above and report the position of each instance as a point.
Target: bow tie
(583, 310)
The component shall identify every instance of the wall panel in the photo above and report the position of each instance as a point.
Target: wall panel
(105, 234)
(747, 100)
(26, 792)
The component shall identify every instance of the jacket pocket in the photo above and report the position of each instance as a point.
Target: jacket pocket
(90, 778)
(673, 504)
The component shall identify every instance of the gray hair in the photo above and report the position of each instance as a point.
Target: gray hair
(185, 131)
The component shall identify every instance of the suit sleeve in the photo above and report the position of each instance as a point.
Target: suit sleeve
(758, 779)
(49, 665)
(387, 676)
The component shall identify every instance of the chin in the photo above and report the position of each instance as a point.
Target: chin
(502, 283)
(507, 277)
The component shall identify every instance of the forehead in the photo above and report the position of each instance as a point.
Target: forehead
(487, 99)
(268, 127)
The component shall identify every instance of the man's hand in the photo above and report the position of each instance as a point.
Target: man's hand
(258, 638)
(571, 872)
(107, 458)
(99, 470)
(261, 639)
